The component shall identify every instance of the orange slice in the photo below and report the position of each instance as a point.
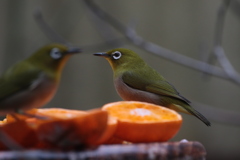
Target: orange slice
(12, 117)
(83, 130)
(110, 130)
(46, 112)
(60, 113)
(62, 128)
(20, 132)
(144, 122)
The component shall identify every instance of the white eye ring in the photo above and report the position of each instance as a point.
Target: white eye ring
(55, 53)
(116, 55)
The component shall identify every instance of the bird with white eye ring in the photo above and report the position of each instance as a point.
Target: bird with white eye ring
(134, 80)
(32, 82)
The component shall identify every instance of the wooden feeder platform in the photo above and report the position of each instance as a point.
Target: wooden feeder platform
(190, 150)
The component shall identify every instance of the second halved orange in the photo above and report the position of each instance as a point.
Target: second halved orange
(144, 122)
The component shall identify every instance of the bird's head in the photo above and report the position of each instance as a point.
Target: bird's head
(52, 56)
(121, 59)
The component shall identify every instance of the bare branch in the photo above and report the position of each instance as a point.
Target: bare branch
(107, 34)
(103, 46)
(218, 50)
(221, 14)
(49, 32)
(235, 8)
(55, 37)
(131, 35)
(226, 65)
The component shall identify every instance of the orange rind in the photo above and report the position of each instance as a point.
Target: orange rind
(143, 122)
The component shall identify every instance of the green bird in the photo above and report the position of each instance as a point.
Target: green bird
(135, 80)
(32, 83)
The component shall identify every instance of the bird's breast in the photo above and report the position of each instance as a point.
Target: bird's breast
(40, 92)
(131, 94)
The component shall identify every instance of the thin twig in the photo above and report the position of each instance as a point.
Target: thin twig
(108, 34)
(55, 37)
(104, 45)
(226, 65)
(49, 32)
(219, 26)
(218, 50)
(156, 49)
(235, 7)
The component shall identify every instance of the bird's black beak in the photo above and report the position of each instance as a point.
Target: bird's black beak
(74, 50)
(102, 54)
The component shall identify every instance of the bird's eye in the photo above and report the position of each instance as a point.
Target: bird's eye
(55, 53)
(116, 55)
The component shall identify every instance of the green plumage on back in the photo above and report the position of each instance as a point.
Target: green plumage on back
(17, 78)
(161, 87)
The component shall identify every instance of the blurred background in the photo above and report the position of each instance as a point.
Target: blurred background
(186, 27)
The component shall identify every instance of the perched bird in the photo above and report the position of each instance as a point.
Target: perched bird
(32, 83)
(135, 80)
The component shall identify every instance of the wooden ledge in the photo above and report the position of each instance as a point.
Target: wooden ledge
(190, 150)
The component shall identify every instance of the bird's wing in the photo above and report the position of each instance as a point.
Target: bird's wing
(18, 78)
(157, 86)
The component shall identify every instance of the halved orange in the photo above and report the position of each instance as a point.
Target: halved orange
(20, 132)
(12, 117)
(110, 130)
(144, 122)
(61, 128)
(60, 113)
(82, 130)
(51, 113)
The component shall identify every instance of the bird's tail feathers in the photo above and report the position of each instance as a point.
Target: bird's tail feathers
(192, 111)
